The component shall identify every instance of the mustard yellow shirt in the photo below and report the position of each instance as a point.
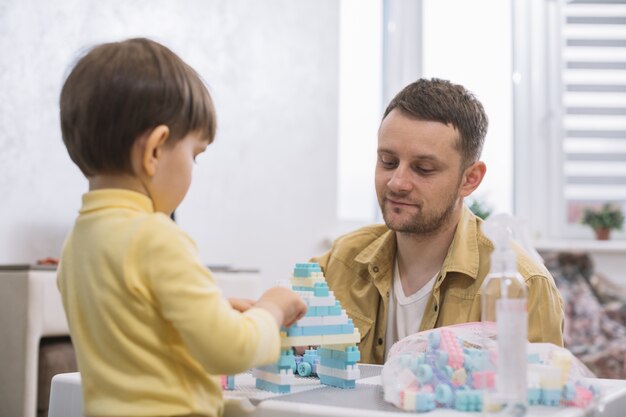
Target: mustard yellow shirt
(150, 327)
(359, 269)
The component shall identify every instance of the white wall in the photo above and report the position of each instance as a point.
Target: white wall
(469, 43)
(264, 194)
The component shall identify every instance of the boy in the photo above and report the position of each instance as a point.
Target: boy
(150, 327)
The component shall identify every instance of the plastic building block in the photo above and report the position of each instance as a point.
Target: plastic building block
(268, 386)
(228, 382)
(337, 382)
(468, 400)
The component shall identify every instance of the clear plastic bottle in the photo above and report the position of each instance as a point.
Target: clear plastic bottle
(505, 317)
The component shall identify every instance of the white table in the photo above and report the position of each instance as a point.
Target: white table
(309, 398)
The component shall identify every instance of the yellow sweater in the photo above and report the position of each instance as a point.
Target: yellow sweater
(150, 327)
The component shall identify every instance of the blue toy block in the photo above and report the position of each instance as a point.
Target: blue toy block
(270, 386)
(424, 401)
(301, 288)
(230, 382)
(424, 373)
(337, 382)
(347, 328)
(468, 400)
(311, 312)
(333, 363)
(434, 339)
(322, 311)
(320, 289)
(286, 359)
(334, 310)
(294, 330)
(551, 397)
(350, 356)
(273, 369)
(534, 396)
(569, 392)
(443, 394)
(303, 270)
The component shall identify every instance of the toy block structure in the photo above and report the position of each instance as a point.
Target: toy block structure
(325, 325)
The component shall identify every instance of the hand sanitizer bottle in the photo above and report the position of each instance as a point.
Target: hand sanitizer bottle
(504, 313)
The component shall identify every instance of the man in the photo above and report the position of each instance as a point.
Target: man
(424, 268)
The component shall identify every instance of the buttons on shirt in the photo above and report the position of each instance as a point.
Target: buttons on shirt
(380, 340)
(436, 307)
(375, 269)
(387, 294)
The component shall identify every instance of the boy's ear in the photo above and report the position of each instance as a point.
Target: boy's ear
(472, 177)
(153, 148)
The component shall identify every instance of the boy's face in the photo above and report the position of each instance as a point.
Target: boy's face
(173, 177)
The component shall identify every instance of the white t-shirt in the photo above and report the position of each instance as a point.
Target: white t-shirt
(405, 314)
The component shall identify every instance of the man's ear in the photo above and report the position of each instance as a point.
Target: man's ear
(153, 149)
(472, 177)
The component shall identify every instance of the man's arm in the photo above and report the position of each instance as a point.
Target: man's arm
(545, 311)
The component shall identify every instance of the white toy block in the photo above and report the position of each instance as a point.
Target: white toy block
(328, 301)
(283, 378)
(332, 320)
(347, 374)
(333, 339)
(311, 321)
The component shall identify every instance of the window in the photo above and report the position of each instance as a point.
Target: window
(570, 137)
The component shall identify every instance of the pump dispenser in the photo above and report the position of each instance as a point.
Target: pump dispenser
(504, 308)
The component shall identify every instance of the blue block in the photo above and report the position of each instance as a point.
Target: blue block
(286, 359)
(230, 382)
(294, 330)
(333, 363)
(311, 312)
(273, 369)
(322, 311)
(309, 265)
(320, 289)
(270, 386)
(347, 328)
(468, 400)
(301, 288)
(337, 382)
(534, 396)
(424, 401)
(551, 397)
(334, 310)
(350, 356)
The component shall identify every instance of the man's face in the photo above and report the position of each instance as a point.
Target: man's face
(418, 174)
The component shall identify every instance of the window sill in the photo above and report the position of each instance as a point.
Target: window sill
(582, 245)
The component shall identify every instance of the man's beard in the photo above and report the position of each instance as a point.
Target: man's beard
(419, 223)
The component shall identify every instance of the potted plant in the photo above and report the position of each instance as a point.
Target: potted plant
(480, 208)
(602, 220)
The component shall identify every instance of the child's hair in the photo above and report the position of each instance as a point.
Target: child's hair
(119, 91)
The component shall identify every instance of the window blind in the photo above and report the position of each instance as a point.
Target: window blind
(593, 99)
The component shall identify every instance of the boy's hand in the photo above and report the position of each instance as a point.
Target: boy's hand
(286, 306)
(240, 304)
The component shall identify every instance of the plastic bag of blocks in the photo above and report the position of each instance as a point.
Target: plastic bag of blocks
(451, 367)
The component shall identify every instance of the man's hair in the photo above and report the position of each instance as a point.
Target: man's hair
(442, 101)
(120, 91)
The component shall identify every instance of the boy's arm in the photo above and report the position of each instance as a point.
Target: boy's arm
(222, 339)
